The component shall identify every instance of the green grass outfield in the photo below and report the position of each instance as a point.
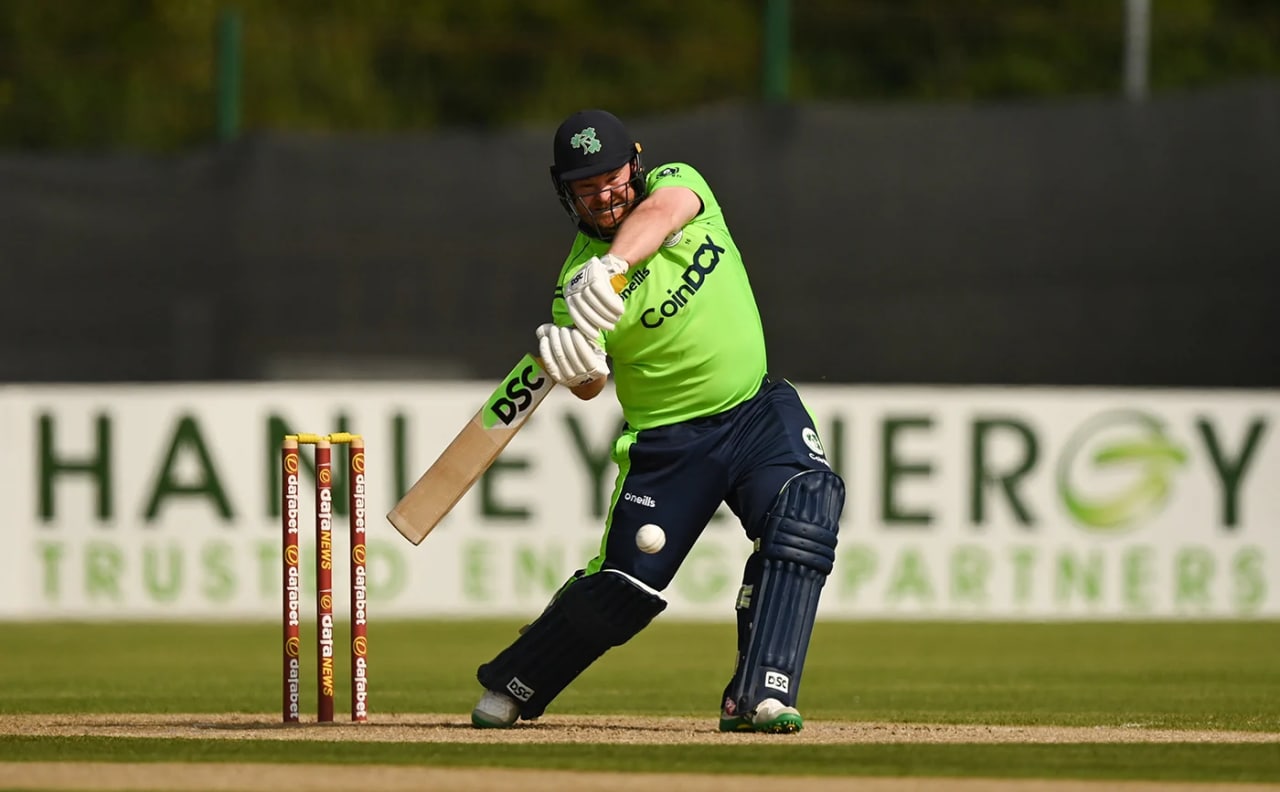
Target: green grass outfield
(1193, 676)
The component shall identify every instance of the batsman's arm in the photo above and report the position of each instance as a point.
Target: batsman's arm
(657, 217)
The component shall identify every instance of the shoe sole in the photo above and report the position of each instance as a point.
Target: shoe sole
(783, 724)
(786, 723)
(480, 723)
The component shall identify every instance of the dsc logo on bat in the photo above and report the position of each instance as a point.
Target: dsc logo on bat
(515, 396)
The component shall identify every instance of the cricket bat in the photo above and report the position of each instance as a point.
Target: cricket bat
(472, 451)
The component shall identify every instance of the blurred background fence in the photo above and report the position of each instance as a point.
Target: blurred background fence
(926, 191)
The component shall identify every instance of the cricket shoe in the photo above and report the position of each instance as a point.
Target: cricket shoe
(733, 721)
(495, 711)
(774, 717)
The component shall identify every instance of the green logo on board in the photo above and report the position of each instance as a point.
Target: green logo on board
(1116, 469)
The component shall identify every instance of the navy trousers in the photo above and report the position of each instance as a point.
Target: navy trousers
(677, 476)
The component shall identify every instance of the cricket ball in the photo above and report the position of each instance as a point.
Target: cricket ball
(650, 538)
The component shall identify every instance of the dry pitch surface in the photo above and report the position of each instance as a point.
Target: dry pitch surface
(550, 729)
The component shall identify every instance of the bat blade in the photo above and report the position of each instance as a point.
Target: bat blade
(472, 451)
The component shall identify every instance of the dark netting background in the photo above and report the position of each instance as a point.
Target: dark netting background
(1092, 242)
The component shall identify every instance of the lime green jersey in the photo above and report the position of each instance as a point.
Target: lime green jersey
(690, 342)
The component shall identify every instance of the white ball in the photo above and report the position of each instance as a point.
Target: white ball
(650, 538)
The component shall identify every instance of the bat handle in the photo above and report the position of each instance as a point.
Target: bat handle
(618, 282)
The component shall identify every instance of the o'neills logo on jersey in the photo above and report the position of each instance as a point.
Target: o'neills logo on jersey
(705, 259)
(640, 500)
(637, 279)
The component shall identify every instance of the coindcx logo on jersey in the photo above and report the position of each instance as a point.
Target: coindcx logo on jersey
(695, 275)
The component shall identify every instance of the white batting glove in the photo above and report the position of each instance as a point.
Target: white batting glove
(592, 297)
(570, 357)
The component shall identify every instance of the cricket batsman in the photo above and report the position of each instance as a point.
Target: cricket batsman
(655, 284)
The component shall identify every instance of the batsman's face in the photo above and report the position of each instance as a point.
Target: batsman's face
(605, 198)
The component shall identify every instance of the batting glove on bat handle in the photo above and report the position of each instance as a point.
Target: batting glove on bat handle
(592, 294)
(569, 357)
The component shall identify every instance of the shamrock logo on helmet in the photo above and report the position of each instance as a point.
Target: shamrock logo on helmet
(587, 141)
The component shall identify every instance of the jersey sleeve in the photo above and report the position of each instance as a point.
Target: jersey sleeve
(681, 174)
(559, 310)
